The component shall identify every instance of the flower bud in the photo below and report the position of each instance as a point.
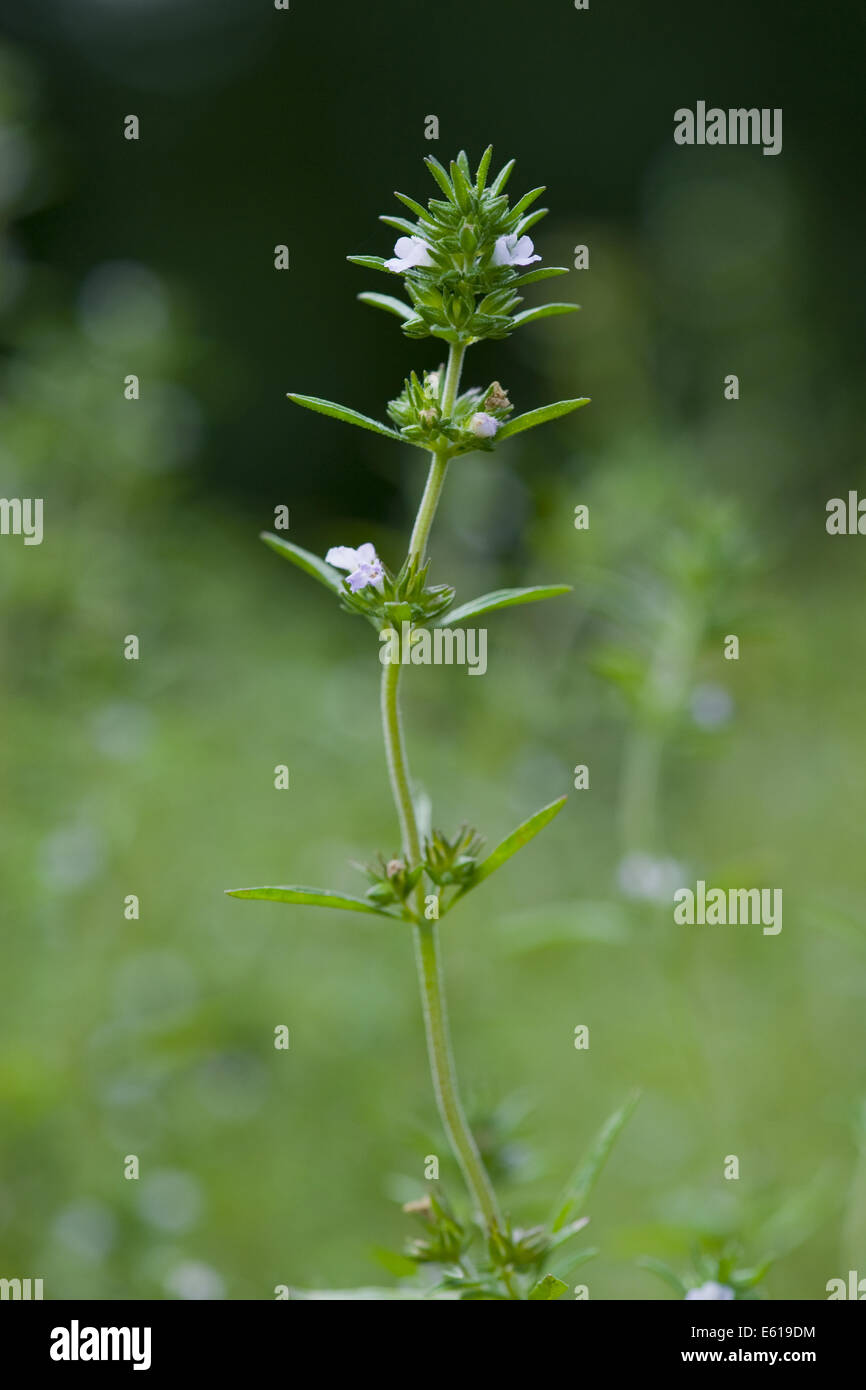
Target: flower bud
(483, 425)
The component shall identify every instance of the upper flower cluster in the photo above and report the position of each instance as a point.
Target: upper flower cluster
(463, 257)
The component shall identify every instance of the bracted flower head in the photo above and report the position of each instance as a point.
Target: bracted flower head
(363, 565)
(409, 252)
(514, 250)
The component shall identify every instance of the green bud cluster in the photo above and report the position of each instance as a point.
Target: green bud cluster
(417, 412)
(453, 861)
(391, 881)
(444, 1238)
(517, 1249)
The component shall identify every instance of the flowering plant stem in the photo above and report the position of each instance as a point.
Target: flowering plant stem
(462, 264)
(427, 946)
(438, 461)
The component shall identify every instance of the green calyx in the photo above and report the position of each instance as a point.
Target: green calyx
(391, 880)
(406, 597)
(453, 862)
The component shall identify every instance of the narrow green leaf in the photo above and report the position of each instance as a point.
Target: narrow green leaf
(440, 176)
(502, 177)
(370, 263)
(388, 303)
(410, 203)
(305, 560)
(568, 1232)
(516, 840)
(311, 897)
(581, 1257)
(342, 412)
(461, 185)
(544, 272)
(500, 598)
(548, 1288)
(400, 224)
(483, 166)
(540, 416)
(585, 1175)
(664, 1272)
(543, 311)
(397, 1264)
(748, 1278)
(527, 200)
(530, 220)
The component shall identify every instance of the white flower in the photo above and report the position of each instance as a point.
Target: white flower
(483, 425)
(648, 879)
(363, 565)
(712, 706)
(409, 251)
(514, 250)
(711, 1290)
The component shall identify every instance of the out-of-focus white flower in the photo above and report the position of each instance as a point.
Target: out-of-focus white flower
(195, 1282)
(484, 425)
(409, 252)
(647, 878)
(363, 564)
(711, 706)
(513, 250)
(711, 1290)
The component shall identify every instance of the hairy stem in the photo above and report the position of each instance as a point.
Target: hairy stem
(427, 956)
(438, 461)
(427, 948)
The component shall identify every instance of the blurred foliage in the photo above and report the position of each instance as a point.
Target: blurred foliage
(155, 1037)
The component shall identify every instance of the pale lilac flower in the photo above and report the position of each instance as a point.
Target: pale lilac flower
(711, 1290)
(712, 706)
(484, 425)
(647, 878)
(514, 250)
(363, 564)
(409, 251)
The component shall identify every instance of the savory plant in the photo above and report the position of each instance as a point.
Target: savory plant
(462, 261)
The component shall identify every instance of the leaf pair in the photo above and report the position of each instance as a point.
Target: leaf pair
(325, 897)
(487, 603)
(527, 421)
(391, 305)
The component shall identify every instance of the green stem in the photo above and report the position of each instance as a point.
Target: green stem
(427, 956)
(438, 461)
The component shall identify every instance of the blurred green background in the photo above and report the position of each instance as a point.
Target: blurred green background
(155, 777)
